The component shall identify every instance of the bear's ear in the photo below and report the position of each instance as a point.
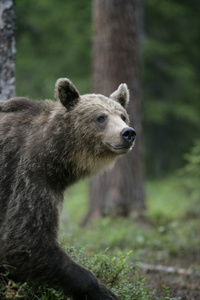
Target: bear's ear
(66, 92)
(121, 95)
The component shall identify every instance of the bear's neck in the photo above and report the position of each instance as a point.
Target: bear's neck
(76, 165)
(64, 176)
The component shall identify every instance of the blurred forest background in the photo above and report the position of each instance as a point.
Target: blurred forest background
(54, 39)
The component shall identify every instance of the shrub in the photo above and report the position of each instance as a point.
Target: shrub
(122, 277)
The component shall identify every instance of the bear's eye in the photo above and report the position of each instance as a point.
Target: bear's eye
(123, 118)
(101, 119)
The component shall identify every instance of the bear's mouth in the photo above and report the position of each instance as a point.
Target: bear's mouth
(119, 149)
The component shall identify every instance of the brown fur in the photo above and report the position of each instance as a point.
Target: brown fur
(45, 147)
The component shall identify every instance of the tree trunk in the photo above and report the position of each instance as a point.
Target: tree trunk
(7, 49)
(116, 60)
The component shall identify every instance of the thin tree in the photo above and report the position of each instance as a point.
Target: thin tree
(7, 49)
(116, 59)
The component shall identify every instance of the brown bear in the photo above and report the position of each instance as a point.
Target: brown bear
(46, 146)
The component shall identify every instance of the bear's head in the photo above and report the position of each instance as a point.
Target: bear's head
(99, 125)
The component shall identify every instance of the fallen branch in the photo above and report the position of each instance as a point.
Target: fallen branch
(166, 269)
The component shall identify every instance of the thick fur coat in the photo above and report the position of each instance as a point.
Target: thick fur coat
(46, 146)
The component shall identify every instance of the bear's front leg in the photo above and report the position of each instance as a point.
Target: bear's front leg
(87, 287)
(97, 292)
(51, 265)
(81, 284)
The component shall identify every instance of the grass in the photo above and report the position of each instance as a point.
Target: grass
(171, 222)
(169, 236)
(167, 198)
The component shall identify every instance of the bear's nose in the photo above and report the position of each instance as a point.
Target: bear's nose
(128, 135)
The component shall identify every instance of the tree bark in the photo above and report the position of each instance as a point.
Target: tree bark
(7, 49)
(116, 59)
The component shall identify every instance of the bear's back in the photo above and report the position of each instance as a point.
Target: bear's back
(20, 104)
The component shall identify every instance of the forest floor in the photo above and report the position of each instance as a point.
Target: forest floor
(179, 274)
(166, 241)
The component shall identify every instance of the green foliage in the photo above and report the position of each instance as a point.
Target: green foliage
(122, 277)
(192, 168)
(170, 76)
(171, 221)
(14, 291)
(53, 40)
(190, 175)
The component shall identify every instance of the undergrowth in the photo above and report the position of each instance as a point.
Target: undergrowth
(116, 272)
